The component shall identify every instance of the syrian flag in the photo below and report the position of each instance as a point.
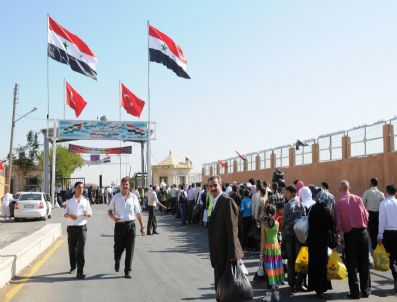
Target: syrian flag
(163, 50)
(67, 48)
(241, 156)
(131, 103)
(74, 100)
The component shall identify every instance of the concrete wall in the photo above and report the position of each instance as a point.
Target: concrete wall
(357, 170)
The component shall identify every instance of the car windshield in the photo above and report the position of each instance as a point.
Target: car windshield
(16, 196)
(30, 197)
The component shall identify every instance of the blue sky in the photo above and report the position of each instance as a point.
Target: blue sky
(264, 73)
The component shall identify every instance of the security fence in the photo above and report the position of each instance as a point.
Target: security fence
(360, 141)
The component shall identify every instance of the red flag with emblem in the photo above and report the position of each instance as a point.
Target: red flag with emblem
(131, 103)
(74, 100)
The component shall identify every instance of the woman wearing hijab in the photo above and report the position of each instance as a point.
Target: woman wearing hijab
(321, 236)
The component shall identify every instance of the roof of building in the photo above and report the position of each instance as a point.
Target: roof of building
(172, 161)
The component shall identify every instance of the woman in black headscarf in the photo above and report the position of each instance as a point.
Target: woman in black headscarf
(321, 236)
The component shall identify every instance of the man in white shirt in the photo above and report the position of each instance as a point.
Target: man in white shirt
(124, 209)
(372, 199)
(152, 202)
(388, 228)
(76, 211)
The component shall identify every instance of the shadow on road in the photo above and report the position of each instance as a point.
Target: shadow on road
(60, 277)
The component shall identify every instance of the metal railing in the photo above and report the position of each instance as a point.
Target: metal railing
(364, 140)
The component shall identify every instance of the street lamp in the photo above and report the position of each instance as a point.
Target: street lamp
(16, 91)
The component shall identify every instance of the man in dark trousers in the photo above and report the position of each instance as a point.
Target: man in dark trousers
(388, 228)
(352, 220)
(222, 229)
(152, 202)
(124, 209)
(76, 211)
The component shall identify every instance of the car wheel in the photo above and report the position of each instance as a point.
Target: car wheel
(49, 216)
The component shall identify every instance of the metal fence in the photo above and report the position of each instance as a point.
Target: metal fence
(364, 140)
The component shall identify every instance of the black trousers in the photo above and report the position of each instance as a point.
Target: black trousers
(292, 248)
(190, 206)
(124, 238)
(76, 241)
(356, 249)
(152, 221)
(390, 244)
(373, 222)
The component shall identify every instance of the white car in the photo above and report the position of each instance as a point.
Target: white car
(32, 205)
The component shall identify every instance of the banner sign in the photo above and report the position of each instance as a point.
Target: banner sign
(106, 130)
(1, 169)
(117, 150)
(95, 160)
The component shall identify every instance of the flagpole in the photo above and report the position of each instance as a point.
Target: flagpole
(120, 121)
(47, 155)
(64, 97)
(148, 149)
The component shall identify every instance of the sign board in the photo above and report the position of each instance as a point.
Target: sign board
(103, 130)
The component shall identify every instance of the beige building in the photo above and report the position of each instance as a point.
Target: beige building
(30, 181)
(172, 171)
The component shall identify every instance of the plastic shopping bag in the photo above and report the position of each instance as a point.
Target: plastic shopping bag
(336, 270)
(234, 285)
(381, 258)
(302, 261)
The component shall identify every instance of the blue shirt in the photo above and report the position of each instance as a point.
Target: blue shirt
(246, 207)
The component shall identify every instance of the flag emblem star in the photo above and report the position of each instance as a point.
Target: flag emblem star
(65, 45)
(164, 47)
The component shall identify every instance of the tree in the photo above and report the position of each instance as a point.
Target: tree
(27, 156)
(66, 162)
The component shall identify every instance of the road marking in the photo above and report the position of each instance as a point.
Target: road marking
(13, 291)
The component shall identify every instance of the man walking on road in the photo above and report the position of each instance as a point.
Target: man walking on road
(388, 228)
(372, 199)
(352, 219)
(222, 230)
(152, 201)
(124, 209)
(77, 209)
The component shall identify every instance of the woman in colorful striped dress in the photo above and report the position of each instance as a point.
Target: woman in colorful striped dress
(271, 254)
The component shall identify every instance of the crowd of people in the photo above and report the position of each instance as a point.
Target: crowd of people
(266, 216)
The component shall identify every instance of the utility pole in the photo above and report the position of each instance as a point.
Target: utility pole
(16, 92)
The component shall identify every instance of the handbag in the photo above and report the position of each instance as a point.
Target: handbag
(233, 285)
(381, 258)
(260, 272)
(301, 228)
(336, 270)
(302, 261)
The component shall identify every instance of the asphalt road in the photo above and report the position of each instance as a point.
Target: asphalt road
(172, 266)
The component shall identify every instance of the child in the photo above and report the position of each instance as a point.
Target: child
(271, 254)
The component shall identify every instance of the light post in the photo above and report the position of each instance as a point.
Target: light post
(16, 91)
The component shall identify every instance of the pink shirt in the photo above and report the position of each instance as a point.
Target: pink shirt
(350, 213)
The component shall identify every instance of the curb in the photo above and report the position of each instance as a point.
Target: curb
(18, 255)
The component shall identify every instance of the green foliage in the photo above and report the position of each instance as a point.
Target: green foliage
(27, 156)
(66, 162)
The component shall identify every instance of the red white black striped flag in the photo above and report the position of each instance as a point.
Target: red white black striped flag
(162, 49)
(67, 48)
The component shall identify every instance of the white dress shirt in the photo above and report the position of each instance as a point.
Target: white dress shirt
(215, 200)
(72, 206)
(125, 208)
(387, 216)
